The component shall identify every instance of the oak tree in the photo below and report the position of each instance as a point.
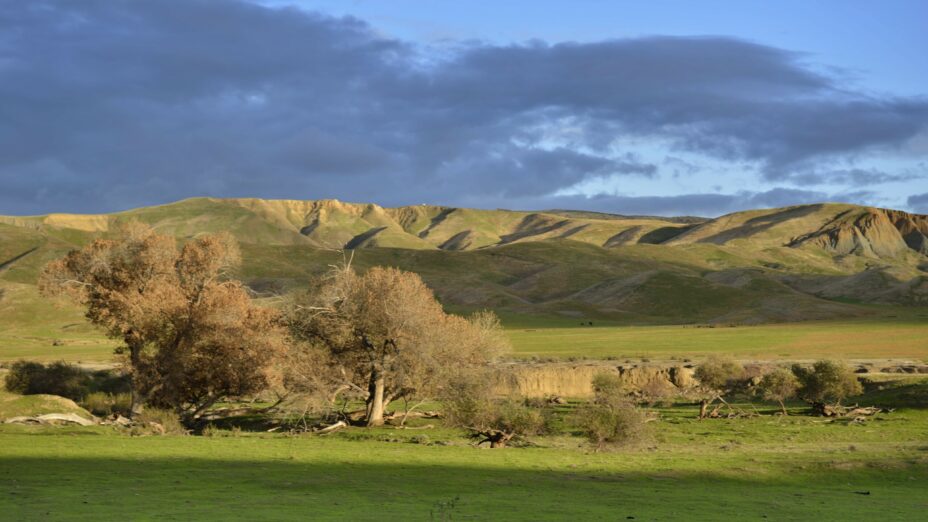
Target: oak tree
(192, 335)
(383, 335)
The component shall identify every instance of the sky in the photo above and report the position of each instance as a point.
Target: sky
(660, 107)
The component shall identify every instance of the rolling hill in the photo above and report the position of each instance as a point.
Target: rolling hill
(805, 262)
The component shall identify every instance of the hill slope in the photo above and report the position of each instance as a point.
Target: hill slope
(796, 263)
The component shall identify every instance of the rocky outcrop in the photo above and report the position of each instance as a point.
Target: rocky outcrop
(873, 232)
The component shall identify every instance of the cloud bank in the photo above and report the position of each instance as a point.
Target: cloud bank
(112, 104)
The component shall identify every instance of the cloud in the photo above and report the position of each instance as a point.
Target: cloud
(698, 204)
(918, 203)
(109, 105)
(853, 177)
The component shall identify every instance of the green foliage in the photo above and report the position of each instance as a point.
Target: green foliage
(827, 382)
(468, 403)
(58, 378)
(611, 418)
(719, 373)
(66, 380)
(779, 385)
(613, 422)
(102, 403)
(513, 416)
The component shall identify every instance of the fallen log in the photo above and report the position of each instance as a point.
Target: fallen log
(52, 418)
(329, 429)
(426, 427)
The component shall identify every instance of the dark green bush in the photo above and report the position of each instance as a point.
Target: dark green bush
(827, 382)
(58, 378)
(62, 379)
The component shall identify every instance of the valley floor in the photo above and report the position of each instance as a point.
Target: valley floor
(767, 467)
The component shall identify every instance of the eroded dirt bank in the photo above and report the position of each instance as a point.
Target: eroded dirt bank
(574, 379)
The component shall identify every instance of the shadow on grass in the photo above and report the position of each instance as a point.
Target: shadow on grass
(896, 395)
(283, 487)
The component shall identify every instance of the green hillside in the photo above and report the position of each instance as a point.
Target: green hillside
(812, 262)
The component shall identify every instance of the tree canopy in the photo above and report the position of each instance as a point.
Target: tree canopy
(384, 335)
(191, 333)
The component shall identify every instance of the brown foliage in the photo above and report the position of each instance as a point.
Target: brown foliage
(192, 335)
(385, 336)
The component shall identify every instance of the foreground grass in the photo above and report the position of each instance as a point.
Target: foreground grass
(792, 468)
(100, 477)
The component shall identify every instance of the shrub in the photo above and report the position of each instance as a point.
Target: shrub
(827, 382)
(611, 418)
(154, 421)
(719, 373)
(779, 385)
(717, 376)
(468, 403)
(616, 423)
(58, 378)
(101, 403)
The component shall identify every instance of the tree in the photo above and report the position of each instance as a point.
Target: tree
(192, 334)
(611, 418)
(779, 385)
(826, 383)
(717, 377)
(385, 336)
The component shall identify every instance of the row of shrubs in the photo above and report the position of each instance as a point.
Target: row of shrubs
(611, 417)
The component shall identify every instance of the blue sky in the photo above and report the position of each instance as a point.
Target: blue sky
(652, 107)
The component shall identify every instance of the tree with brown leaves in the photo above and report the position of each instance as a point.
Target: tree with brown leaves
(385, 336)
(192, 335)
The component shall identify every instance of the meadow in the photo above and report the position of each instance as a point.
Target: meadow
(861, 339)
(901, 337)
(766, 467)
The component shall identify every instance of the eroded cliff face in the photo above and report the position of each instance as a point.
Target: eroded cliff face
(873, 232)
(575, 379)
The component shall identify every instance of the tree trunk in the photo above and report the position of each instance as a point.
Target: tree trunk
(783, 408)
(375, 413)
(703, 408)
(135, 359)
(820, 409)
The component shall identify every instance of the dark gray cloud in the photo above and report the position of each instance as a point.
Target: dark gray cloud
(113, 104)
(918, 203)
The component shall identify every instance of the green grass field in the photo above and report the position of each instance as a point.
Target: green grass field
(795, 468)
(862, 339)
(26, 333)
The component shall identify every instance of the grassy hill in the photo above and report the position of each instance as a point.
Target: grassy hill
(810, 262)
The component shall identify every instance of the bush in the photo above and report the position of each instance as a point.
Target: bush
(101, 403)
(612, 423)
(779, 385)
(611, 418)
(154, 421)
(468, 404)
(58, 378)
(719, 373)
(827, 382)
